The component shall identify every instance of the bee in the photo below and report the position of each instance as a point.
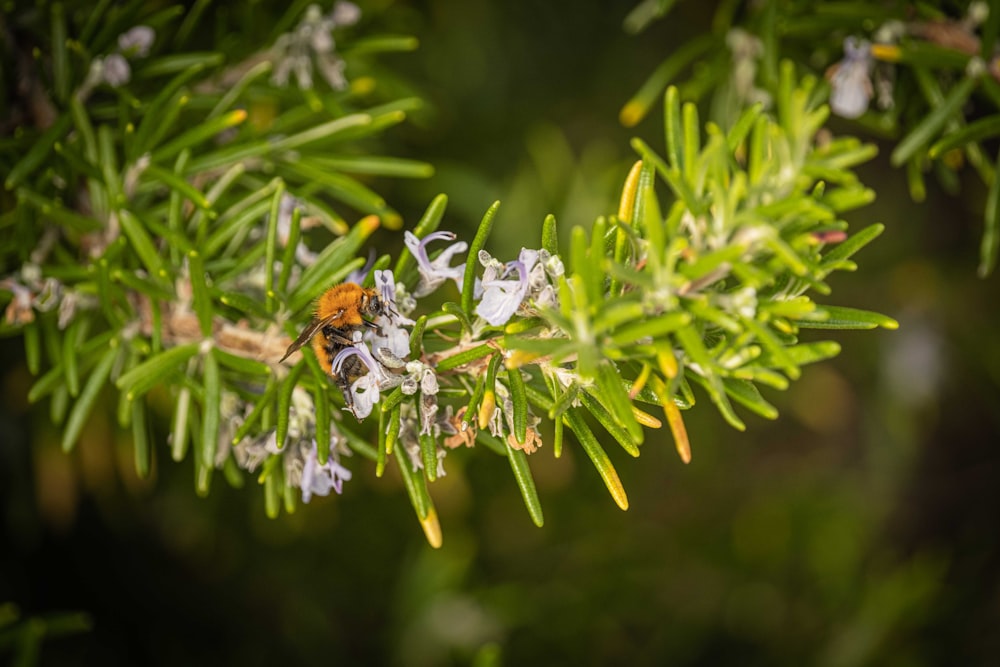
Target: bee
(341, 311)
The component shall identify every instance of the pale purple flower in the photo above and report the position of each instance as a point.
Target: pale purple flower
(502, 297)
(492, 270)
(428, 414)
(412, 447)
(496, 423)
(286, 208)
(429, 382)
(250, 453)
(332, 68)
(365, 390)
(302, 67)
(851, 82)
(115, 70)
(364, 395)
(294, 52)
(136, 42)
(320, 478)
(389, 335)
(345, 13)
(434, 273)
(386, 285)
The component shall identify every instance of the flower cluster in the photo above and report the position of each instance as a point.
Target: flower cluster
(300, 453)
(855, 78)
(114, 69)
(379, 358)
(32, 293)
(390, 342)
(525, 284)
(311, 45)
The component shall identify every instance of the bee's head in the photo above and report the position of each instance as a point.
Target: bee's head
(372, 304)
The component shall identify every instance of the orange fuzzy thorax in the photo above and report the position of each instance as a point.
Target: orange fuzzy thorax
(346, 299)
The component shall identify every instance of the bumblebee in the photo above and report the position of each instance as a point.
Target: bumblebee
(340, 312)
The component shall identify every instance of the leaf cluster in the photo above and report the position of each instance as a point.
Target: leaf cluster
(934, 82)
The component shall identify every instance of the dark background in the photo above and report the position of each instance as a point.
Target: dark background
(860, 528)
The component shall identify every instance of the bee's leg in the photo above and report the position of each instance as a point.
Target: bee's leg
(338, 336)
(345, 388)
(375, 327)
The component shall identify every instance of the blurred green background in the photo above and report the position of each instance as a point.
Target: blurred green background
(860, 528)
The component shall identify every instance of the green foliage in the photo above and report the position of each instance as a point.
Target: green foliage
(930, 80)
(160, 239)
(24, 636)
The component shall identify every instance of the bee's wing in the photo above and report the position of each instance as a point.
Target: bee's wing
(309, 332)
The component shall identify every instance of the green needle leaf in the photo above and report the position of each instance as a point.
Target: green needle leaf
(598, 456)
(416, 487)
(478, 243)
(40, 149)
(140, 439)
(839, 317)
(286, 387)
(202, 298)
(464, 357)
(428, 455)
(654, 327)
(672, 130)
(613, 427)
(70, 351)
(321, 399)
(932, 124)
(271, 244)
(264, 403)
(746, 393)
(179, 425)
(211, 414)
(550, 240)
(517, 396)
(990, 244)
(175, 182)
(81, 409)
(526, 483)
(984, 128)
(202, 132)
(319, 133)
(853, 244)
(617, 402)
(60, 55)
(151, 372)
(162, 111)
(640, 104)
(143, 245)
(417, 337)
(376, 165)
